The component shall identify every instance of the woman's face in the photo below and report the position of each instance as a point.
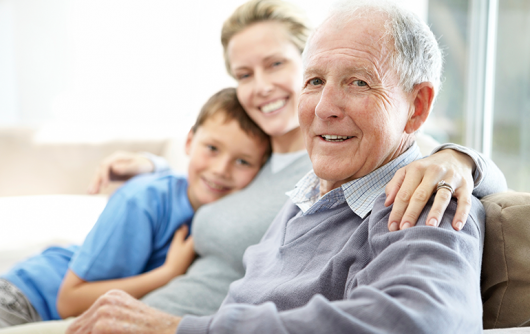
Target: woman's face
(268, 69)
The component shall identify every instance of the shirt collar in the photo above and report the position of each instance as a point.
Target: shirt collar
(360, 194)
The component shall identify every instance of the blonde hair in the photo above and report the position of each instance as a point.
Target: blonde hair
(254, 11)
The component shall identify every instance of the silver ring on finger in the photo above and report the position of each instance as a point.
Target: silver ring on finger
(444, 185)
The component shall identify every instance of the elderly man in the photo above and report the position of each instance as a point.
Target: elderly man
(328, 263)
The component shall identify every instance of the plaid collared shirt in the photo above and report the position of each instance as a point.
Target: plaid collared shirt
(360, 194)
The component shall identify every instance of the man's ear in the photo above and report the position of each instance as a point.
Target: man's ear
(189, 139)
(423, 95)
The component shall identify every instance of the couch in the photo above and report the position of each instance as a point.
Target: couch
(43, 202)
(43, 183)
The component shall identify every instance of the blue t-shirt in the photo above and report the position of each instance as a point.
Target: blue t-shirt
(132, 236)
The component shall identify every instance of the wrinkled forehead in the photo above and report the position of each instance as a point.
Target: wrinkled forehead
(363, 34)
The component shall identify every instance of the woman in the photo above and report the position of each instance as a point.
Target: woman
(263, 41)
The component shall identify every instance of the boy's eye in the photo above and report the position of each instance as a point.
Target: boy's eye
(316, 82)
(242, 162)
(360, 83)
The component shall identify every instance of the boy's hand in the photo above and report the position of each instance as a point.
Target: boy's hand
(181, 253)
(119, 165)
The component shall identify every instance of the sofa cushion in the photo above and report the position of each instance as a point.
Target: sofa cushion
(30, 224)
(506, 262)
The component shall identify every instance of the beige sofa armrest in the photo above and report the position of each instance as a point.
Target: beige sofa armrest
(506, 261)
(32, 168)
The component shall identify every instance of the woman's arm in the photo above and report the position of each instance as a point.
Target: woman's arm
(488, 178)
(124, 165)
(464, 169)
(76, 295)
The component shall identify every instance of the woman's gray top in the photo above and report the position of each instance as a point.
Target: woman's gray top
(222, 231)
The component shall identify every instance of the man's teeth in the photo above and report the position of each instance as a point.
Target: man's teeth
(273, 106)
(335, 137)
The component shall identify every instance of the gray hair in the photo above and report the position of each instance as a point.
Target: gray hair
(416, 56)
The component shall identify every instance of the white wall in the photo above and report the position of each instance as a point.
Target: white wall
(32, 58)
(8, 101)
(86, 70)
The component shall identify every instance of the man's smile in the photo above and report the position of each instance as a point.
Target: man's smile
(335, 138)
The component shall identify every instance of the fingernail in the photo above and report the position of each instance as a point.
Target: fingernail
(393, 227)
(459, 226)
(433, 222)
(406, 225)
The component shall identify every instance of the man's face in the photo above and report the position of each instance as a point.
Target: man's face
(352, 110)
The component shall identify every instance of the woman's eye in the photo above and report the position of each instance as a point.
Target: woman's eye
(360, 83)
(315, 82)
(242, 76)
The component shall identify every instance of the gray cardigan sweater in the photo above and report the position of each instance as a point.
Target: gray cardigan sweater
(333, 272)
(201, 290)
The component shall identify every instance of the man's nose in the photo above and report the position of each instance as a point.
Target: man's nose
(330, 104)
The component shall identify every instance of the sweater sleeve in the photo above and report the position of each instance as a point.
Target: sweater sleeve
(421, 280)
(487, 176)
(161, 164)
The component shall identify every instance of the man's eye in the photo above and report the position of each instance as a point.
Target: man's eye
(277, 63)
(360, 83)
(315, 82)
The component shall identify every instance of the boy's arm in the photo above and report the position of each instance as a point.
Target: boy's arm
(76, 295)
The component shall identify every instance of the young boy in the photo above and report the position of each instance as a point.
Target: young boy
(134, 246)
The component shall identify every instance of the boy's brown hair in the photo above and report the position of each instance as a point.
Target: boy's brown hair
(226, 101)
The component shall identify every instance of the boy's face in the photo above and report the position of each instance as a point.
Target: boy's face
(223, 159)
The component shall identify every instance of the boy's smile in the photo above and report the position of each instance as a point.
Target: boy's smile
(223, 159)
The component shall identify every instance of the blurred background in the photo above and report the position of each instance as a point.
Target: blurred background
(88, 73)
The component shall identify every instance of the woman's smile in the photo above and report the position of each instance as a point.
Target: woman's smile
(270, 107)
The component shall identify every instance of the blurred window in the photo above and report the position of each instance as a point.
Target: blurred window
(485, 98)
(511, 116)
